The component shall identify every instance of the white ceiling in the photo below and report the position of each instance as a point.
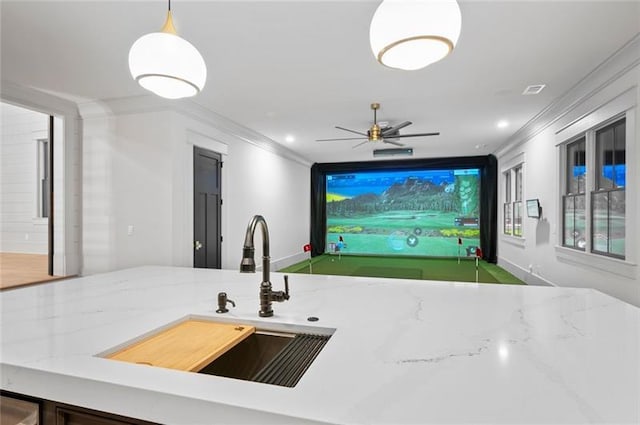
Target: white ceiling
(302, 67)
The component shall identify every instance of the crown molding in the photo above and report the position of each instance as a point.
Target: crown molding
(189, 108)
(37, 100)
(620, 63)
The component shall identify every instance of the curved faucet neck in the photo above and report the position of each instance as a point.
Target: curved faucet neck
(248, 243)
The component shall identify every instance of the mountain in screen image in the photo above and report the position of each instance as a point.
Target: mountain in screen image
(426, 213)
(412, 195)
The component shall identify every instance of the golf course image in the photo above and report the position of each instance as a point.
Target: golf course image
(431, 213)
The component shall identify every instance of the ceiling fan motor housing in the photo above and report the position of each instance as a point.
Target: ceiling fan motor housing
(374, 133)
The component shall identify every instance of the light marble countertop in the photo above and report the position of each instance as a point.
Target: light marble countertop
(403, 351)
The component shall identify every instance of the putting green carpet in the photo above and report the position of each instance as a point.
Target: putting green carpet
(405, 268)
(394, 272)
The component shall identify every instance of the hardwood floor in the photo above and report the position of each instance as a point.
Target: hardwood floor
(23, 269)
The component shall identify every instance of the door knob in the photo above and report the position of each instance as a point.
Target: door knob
(197, 245)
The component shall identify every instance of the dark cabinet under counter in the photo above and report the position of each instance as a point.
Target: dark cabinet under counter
(19, 409)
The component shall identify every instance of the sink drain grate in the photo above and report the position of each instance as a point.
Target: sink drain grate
(291, 363)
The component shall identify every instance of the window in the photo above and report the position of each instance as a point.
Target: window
(573, 202)
(517, 205)
(507, 227)
(512, 207)
(596, 163)
(608, 198)
(43, 178)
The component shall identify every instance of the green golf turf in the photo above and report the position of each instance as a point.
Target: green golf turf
(405, 268)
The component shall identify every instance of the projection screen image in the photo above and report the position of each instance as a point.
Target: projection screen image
(412, 213)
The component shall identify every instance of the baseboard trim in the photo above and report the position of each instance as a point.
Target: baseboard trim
(283, 262)
(523, 274)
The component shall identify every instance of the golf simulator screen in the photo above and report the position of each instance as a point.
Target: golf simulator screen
(432, 213)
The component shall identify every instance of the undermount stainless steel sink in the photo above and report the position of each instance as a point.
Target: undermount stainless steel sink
(270, 353)
(269, 357)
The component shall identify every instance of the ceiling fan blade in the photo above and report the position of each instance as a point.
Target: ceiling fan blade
(347, 138)
(352, 131)
(393, 143)
(396, 127)
(360, 144)
(415, 135)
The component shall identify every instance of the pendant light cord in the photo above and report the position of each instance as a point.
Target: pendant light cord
(169, 5)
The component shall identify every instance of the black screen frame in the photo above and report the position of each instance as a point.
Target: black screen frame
(488, 166)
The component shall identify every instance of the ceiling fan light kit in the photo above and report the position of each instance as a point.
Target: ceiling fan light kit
(411, 34)
(167, 64)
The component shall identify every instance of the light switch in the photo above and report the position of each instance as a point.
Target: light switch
(130, 230)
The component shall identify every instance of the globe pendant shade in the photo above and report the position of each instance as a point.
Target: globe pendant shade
(411, 34)
(167, 65)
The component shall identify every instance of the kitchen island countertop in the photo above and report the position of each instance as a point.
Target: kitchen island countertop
(402, 351)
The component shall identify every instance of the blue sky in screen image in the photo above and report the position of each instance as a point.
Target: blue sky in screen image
(354, 184)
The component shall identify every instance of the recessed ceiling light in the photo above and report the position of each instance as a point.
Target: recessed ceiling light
(502, 124)
(289, 139)
(533, 89)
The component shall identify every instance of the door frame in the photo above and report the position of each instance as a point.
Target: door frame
(50, 221)
(67, 257)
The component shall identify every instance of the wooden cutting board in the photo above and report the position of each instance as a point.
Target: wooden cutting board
(188, 346)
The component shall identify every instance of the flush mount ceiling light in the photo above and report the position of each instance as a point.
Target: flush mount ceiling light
(166, 64)
(411, 34)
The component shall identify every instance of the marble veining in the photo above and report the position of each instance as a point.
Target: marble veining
(403, 351)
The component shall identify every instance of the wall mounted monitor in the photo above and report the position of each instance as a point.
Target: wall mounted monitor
(533, 208)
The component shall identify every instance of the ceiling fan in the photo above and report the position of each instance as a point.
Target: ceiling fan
(380, 134)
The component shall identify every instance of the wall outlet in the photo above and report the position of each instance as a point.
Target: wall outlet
(130, 230)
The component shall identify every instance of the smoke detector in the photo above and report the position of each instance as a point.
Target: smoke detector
(533, 89)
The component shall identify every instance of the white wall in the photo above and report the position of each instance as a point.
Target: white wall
(22, 229)
(126, 191)
(261, 182)
(538, 257)
(138, 171)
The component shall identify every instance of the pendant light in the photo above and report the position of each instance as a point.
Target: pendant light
(166, 64)
(411, 34)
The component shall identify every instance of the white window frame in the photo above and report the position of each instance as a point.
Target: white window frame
(37, 218)
(517, 198)
(509, 167)
(507, 204)
(564, 192)
(595, 189)
(40, 169)
(623, 106)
